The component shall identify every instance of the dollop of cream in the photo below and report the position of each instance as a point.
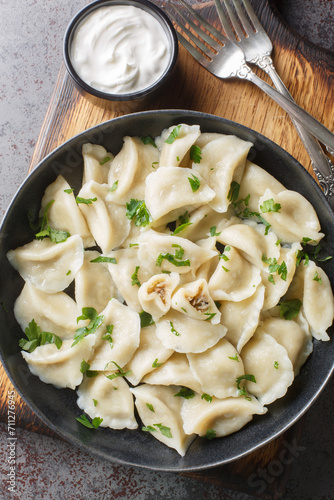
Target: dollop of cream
(120, 49)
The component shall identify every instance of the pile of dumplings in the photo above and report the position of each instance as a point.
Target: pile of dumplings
(167, 294)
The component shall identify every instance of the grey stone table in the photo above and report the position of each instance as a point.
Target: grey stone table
(31, 33)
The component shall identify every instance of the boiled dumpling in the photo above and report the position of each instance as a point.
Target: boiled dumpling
(177, 143)
(159, 411)
(268, 362)
(117, 338)
(174, 371)
(296, 218)
(217, 369)
(49, 266)
(194, 300)
(108, 399)
(223, 160)
(235, 278)
(185, 334)
(106, 220)
(169, 193)
(155, 295)
(96, 163)
(150, 353)
(60, 367)
(219, 417)
(54, 313)
(63, 213)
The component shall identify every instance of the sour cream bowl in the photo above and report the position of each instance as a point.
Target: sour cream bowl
(120, 51)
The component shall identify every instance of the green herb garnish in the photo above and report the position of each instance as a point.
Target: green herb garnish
(289, 309)
(195, 153)
(36, 337)
(194, 182)
(137, 211)
(95, 321)
(173, 135)
(94, 424)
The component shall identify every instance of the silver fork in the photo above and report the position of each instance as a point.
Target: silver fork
(257, 48)
(227, 60)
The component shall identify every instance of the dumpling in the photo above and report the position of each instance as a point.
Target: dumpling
(150, 353)
(217, 369)
(96, 163)
(185, 334)
(251, 242)
(128, 274)
(296, 219)
(174, 371)
(60, 367)
(54, 313)
(177, 143)
(269, 363)
(223, 160)
(279, 284)
(159, 411)
(255, 181)
(242, 318)
(94, 286)
(219, 417)
(235, 278)
(296, 340)
(108, 399)
(117, 338)
(49, 266)
(169, 193)
(161, 252)
(155, 295)
(194, 300)
(63, 213)
(129, 169)
(317, 299)
(106, 220)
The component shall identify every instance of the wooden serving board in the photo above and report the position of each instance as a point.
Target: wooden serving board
(308, 73)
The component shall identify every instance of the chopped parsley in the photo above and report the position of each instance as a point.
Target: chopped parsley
(185, 393)
(173, 135)
(134, 277)
(181, 228)
(195, 153)
(68, 191)
(184, 218)
(242, 390)
(145, 319)
(118, 373)
(108, 336)
(105, 160)
(213, 231)
(289, 309)
(137, 211)
(36, 337)
(233, 193)
(150, 407)
(210, 434)
(85, 368)
(206, 397)
(276, 364)
(274, 267)
(85, 201)
(194, 182)
(102, 258)
(155, 363)
(235, 357)
(95, 321)
(270, 206)
(113, 187)
(317, 278)
(165, 431)
(94, 424)
(173, 259)
(148, 140)
(46, 231)
(172, 329)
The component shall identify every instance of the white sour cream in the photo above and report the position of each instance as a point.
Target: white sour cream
(120, 49)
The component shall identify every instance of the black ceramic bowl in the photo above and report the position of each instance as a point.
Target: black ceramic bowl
(58, 408)
(99, 96)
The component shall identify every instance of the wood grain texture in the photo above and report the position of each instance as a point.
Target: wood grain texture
(307, 71)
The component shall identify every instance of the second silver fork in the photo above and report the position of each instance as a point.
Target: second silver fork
(257, 48)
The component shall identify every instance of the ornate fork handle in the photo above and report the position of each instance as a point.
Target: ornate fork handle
(322, 165)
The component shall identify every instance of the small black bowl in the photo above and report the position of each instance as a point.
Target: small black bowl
(100, 97)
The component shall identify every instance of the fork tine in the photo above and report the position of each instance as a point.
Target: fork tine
(243, 19)
(211, 29)
(224, 21)
(195, 39)
(252, 16)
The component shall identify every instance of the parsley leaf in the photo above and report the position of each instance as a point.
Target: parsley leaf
(233, 193)
(242, 390)
(289, 309)
(150, 407)
(270, 206)
(105, 160)
(172, 329)
(181, 228)
(119, 373)
(213, 231)
(155, 363)
(148, 140)
(145, 319)
(95, 321)
(37, 338)
(185, 393)
(210, 434)
(102, 258)
(195, 153)
(165, 431)
(137, 211)
(194, 182)
(113, 187)
(206, 397)
(134, 277)
(85, 201)
(317, 278)
(173, 135)
(94, 424)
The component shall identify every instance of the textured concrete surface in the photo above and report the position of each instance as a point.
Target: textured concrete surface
(31, 33)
